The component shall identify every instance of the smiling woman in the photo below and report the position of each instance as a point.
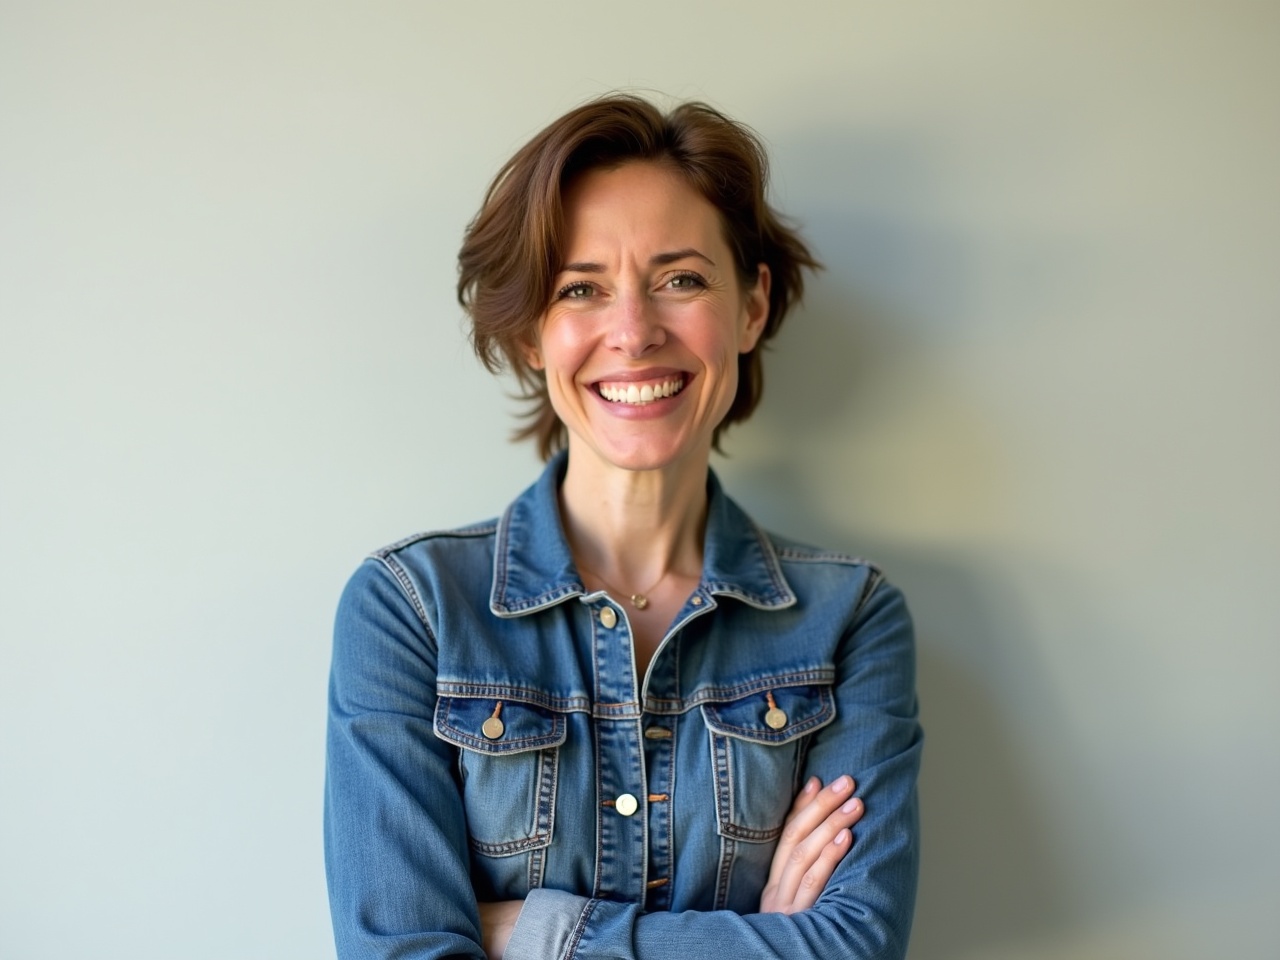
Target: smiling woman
(639, 347)
(622, 720)
(505, 281)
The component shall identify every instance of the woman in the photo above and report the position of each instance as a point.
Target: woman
(578, 731)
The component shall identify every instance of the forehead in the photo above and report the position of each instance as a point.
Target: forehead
(640, 203)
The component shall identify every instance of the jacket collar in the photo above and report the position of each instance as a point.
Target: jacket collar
(532, 566)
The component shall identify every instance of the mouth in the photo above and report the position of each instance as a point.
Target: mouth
(638, 393)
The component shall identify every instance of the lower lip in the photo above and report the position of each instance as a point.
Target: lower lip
(643, 411)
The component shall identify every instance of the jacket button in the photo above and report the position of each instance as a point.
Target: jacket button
(493, 728)
(776, 718)
(626, 805)
(608, 618)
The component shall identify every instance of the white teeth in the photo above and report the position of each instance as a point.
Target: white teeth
(645, 394)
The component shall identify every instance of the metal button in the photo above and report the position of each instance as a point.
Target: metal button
(493, 728)
(775, 718)
(626, 804)
(696, 601)
(608, 618)
(657, 733)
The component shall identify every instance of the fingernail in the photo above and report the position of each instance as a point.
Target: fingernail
(842, 838)
(851, 805)
(842, 785)
(812, 785)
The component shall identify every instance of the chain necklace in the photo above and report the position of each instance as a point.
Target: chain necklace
(638, 600)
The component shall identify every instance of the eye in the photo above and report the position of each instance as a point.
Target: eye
(578, 290)
(686, 281)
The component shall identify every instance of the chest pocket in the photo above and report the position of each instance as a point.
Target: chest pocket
(509, 760)
(755, 750)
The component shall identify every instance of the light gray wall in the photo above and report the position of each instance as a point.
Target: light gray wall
(1038, 382)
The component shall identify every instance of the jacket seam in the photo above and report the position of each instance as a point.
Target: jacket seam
(518, 694)
(547, 598)
(799, 555)
(736, 692)
(491, 748)
(406, 587)
(873, 583)
(470, 532)
(776, 576)
(498, 585)
(579, 929)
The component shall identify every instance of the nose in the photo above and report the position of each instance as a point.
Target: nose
(634, 327)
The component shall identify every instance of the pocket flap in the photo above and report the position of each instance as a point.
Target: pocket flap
(802, 710)
(522, 726)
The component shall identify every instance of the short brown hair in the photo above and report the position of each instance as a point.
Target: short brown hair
(512, 250)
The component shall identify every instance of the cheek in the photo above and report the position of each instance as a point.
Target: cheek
(721, 381)
(729, 383)
(717, 344)
(562, 345)
(562, 358)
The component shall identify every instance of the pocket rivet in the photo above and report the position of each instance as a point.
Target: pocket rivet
(774, 718)
(493, 728)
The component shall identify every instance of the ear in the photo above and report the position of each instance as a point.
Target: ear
(755, 309)
(532, 356)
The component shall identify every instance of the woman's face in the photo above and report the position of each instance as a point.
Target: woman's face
(640, 343)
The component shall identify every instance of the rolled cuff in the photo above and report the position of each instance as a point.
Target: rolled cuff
(547, 926)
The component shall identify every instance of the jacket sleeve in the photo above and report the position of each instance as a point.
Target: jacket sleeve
(865, 910)
(395, 840)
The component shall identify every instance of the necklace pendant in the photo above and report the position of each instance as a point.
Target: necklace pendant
(639, 600)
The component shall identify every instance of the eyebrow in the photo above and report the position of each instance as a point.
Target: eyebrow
(657, 260)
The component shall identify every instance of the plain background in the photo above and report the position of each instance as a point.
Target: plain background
(1037, 382)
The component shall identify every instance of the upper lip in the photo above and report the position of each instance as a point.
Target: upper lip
(638, 376)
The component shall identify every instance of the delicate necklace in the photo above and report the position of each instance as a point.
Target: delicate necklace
(638, 600)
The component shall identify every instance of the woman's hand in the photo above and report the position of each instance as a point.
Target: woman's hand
(816, 837)
(497, 920)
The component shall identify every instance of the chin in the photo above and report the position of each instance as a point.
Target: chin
(649, 455)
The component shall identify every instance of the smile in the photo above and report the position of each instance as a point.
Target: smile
(637, 393)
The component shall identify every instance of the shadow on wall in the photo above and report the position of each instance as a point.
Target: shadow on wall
(988, 877)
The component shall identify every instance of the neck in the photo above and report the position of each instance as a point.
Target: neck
(633, 528)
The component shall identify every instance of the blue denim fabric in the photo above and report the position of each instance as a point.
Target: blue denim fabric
(426, 813)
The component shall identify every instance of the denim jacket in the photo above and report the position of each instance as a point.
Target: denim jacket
(489, 739)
